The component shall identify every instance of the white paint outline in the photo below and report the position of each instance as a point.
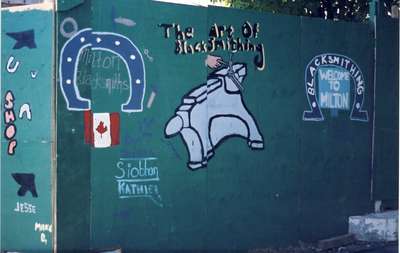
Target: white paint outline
(125, 21)
(78, 95)
(129, 74)
(9, 68)
(146, 52)
(25, 108)
(74, 25)
(34, 74)
(151, 99)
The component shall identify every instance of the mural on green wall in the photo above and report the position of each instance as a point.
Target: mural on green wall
(9, 119)
(26, 149)
(213, 112)
(138, 178)
(225, 90)
(101, 129)
(221, 38)
(220, 97)
(328, 79)
(23, 39)
(26, 182)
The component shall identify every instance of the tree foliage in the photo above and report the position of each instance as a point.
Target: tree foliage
(348, 10)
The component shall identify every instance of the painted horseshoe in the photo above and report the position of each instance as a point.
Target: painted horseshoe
(10, 67)
(111, 42)
(25, 109)
(339, 61)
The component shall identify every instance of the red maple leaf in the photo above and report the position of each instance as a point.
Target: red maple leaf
(101, 129)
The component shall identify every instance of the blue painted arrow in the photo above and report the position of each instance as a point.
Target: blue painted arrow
(23, 39)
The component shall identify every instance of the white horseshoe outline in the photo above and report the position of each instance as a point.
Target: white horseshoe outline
(25, 109)
(12, 69)
(34, 74)
(74, 25)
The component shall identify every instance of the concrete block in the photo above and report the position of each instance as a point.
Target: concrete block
(375, 226)
(395, 11)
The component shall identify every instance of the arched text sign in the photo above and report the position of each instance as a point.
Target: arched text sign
(111, 42)
(334, 73)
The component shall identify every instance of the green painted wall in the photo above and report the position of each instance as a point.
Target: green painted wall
(73, 160)
(26, 216)
(310, 176)
(305, 182)
(386, 172)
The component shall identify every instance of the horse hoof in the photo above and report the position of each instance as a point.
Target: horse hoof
(196, 165)
(174, 126)
(256, 144)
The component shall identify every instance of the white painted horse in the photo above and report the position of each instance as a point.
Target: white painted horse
(213, 112)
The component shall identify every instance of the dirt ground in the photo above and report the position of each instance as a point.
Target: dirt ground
(359, 247)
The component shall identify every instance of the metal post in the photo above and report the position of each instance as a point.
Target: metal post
(373, 6)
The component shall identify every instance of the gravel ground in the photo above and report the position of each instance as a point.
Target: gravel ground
(357, 247)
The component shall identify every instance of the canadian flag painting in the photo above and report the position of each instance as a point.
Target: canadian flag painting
(101, 129)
